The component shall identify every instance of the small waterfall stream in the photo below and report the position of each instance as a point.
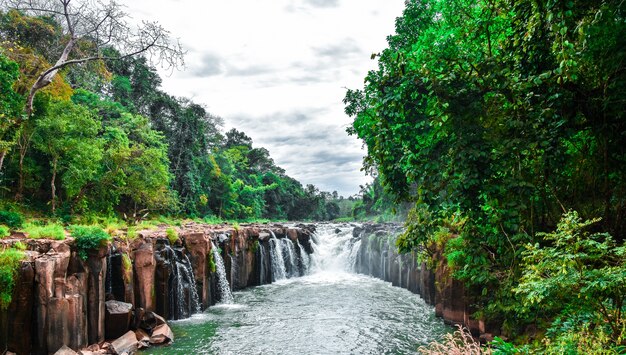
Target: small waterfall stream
(222, 281)
(289, 258)
(278, 262)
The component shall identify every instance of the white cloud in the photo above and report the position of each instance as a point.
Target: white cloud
(278, 71)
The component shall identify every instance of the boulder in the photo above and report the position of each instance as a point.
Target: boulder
(127, 343)
(150, 321)
(162, 334)
(117, 318)
(143, 338)
(263, 236)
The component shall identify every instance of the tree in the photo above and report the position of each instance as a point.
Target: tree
(89, 28)
(67, 135)
(10, 105)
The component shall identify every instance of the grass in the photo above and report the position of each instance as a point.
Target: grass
(47, 231)
(4, 231)
(172, 235)
(460, 342)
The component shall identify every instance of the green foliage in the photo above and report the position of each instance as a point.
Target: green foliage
(577, 278)
(9, 263)
(212, 265)
(11, 104)
(88, 238)
(4, 231)
(45, 231)
(19, 246)
(172, 235)
(12, 219)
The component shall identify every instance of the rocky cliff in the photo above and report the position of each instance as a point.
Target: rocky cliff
(62, 301)
(378, 256)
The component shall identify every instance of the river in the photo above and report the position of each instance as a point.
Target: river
(330, 311)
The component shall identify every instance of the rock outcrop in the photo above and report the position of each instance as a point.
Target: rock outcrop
(61, 301)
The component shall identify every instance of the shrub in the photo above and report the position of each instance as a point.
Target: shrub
(212, 265)
(48, 231)
(9, 264)
(4, 231)
(172, 235)
(128, 268)
(89, 238)
(11, 219)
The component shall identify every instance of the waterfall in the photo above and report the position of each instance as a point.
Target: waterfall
(278, 263)
(289, 257)
(222, 283)
(305, 259)
(183, 293)
(262, 270)
(187, 271)
(334, 248)
(354, 253)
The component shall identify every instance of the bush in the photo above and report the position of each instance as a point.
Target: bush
(12, 219)
(89, 238)
(48, 231)
(9, 264)
(4, 231)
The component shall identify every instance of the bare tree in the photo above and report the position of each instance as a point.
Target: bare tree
(103, 24)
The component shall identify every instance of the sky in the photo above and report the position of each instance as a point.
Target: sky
(278, 70)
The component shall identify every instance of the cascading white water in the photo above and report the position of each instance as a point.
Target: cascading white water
(289, 258)
(222, 282)
(278, 263)
(305, 259)
(335, 248)
(188, 272)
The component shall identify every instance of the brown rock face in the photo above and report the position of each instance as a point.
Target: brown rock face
(199, 247)
(145, 265)
(97, 266)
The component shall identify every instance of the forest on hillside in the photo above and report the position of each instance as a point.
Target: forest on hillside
(502, 123)
(102, 139)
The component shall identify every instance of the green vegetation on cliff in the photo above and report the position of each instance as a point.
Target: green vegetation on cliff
(496, 119)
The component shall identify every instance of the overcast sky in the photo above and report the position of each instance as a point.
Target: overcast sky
(278, 70)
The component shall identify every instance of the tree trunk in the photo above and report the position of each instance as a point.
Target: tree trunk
(46, 77)
(2, 155)
(52, 185)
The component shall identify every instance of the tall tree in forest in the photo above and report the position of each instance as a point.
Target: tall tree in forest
(67, 135)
